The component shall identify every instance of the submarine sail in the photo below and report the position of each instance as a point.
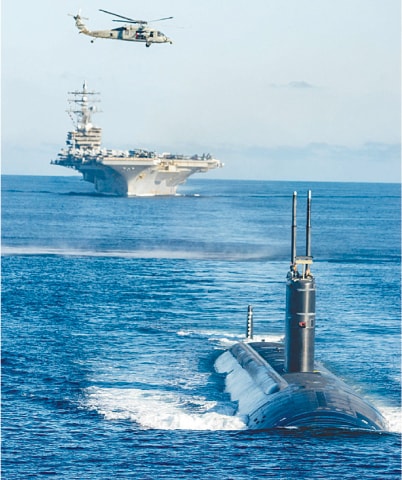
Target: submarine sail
(279, 384)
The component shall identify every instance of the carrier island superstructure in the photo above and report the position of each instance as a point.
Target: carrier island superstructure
(136, 172)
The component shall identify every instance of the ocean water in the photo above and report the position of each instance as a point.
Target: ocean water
(114, 311)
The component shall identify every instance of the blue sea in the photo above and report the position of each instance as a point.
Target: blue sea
(114, 311)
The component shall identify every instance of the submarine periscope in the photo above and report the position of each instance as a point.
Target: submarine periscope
(279, 384)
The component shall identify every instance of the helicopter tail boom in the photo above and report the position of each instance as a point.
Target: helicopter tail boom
(81, 25)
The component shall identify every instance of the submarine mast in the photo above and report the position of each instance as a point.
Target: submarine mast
(300, 303)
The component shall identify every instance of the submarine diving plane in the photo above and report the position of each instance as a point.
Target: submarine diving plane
(278, 384)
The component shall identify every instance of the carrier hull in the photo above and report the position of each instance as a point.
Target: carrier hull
(135, 176)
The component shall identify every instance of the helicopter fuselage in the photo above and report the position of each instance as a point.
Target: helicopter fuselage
(130, 34)
(127, 32)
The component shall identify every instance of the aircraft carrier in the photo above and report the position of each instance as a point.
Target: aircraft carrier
(279, 384)
(136, 172)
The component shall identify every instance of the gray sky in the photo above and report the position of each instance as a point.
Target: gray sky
(276, 89)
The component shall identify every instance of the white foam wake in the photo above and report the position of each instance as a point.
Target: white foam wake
(393, 416)
(136, 253)
(239, 384)
(225, 339)
(161, 410)
(79, 252)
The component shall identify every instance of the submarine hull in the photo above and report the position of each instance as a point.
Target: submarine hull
(268, 397)
(279, 384)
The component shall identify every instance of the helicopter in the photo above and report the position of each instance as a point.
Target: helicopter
(132, 31)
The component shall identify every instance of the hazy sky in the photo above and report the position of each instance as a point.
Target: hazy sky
(276, 89)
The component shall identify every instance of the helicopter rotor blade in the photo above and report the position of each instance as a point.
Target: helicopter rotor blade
(121, 16)
(140, 22)
(160, 19)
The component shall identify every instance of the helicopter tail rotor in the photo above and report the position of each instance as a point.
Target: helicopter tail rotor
(78, 16)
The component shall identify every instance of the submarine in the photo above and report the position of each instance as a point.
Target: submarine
(279, 384)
